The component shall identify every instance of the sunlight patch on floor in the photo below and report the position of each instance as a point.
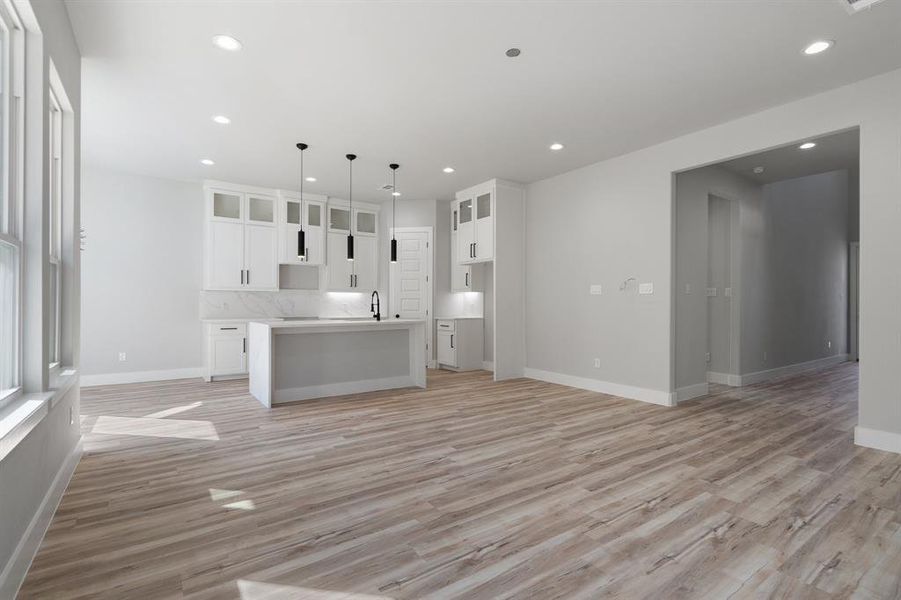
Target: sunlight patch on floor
(174, 410)
(161, 428)
(255, 590)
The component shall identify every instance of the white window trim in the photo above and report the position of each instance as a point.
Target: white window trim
(11, 223)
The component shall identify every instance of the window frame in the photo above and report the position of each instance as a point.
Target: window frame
(12, 124)
(55, 185)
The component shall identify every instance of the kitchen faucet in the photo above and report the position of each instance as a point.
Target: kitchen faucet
(374, 307)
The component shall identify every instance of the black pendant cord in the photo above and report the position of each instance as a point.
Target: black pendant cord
(350, 226)
(393, 167)
(301, 236)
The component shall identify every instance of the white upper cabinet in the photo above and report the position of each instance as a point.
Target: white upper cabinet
(475, 224)
(461, 274)
(241, 247)
(295, 215)
(360, 274)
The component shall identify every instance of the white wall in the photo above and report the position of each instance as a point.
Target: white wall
(142, 273)
(614, 219)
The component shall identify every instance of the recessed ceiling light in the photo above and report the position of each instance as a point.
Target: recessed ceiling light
(556, 146)
(448, 169)
(207, 162)
(222, 119)
(227, 42)
(310, 179)
(818, 46)
(758, 170)
(513, 52)
(807, 145)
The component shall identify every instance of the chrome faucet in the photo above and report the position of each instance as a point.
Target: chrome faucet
(374, 307)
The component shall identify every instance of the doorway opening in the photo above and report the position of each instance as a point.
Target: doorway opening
(766, 264)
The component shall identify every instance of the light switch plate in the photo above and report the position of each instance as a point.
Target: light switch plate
(711, 292)
(727, 292)
(645, 288)
(595, 289)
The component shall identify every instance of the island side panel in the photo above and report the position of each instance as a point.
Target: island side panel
(418, 364)
(316, 364)
(259, 338)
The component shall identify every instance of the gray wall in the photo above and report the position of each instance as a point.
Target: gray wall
(28, 472)
(691, 207)
(142, 273)
(805, 275)
(614, 219)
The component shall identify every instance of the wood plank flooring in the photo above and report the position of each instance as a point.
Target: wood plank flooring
(475, 489)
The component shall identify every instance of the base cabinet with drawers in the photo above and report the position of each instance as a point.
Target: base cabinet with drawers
(460, 344)
(225, 349)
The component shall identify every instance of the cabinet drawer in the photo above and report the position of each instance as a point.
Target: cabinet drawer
(228, 329)
(446, 325)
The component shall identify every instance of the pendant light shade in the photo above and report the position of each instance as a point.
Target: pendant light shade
(393, 167)
(301, 236)
(350, 236)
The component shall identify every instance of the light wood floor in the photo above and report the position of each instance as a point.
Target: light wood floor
(473, 489)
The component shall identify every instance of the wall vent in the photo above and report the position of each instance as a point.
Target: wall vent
(855, 6)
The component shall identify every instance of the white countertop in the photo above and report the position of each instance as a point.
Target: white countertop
(336, 323)
(456, 318)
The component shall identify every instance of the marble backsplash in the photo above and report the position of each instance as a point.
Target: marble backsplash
(283, 303)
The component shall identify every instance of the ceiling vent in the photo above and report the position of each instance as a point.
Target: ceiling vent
(855, 6)
(386, 188)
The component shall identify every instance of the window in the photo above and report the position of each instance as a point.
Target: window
(55, 241)
(11, 66)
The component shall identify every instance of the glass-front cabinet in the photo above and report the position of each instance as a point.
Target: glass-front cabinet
(300, 216)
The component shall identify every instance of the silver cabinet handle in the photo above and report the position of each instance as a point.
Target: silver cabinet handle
(452, 341)
(467, 279)
(475, 249)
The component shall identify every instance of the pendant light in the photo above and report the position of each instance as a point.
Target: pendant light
(301, 236)
(350, 227)
(394, 194)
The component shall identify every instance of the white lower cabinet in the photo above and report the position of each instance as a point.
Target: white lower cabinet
(460, 344)
(225, 348)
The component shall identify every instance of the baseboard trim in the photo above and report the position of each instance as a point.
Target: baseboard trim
(604, 387)
(691, 391)
(888, 441)
(341, 389)
(140, 376)
(723, 378)
(14, 573)
(760, 376)
(488, 365)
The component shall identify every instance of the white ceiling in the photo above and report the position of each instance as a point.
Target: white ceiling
(426, 84)
(831, 153)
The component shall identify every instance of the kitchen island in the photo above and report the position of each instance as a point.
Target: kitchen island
(304, 359)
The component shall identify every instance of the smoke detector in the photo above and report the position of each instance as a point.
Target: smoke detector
(855, 6)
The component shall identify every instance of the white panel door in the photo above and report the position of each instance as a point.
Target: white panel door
(410, 285)
(225, 255)
(260, 257)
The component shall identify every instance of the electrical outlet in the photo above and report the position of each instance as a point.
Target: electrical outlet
(122, 357)
(645, 288)
(727, 292)
(711, 292)
(687, 288)
(595, 289)
(708, 357)
(828, 344)
(597, 363)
